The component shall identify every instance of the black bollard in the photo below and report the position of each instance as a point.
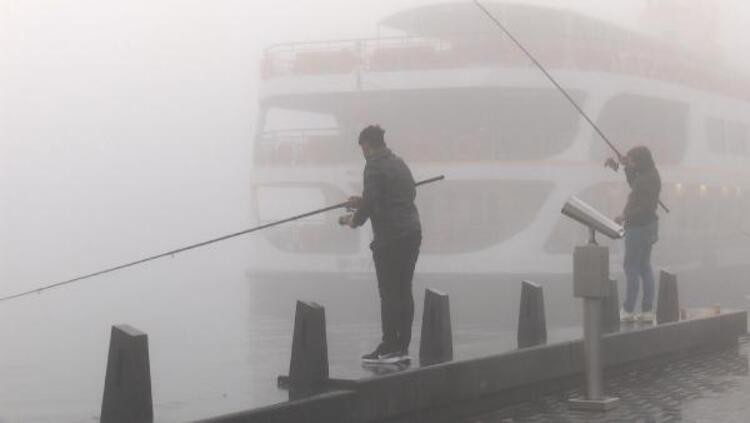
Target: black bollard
(668, 303)
(532, 325)
(436, 343)
(308, 368)
(611, 312)
(127, 385)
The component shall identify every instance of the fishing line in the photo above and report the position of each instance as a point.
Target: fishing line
(555, 83)
(192, 247)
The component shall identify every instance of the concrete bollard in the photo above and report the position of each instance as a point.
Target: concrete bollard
(668, 303)
(611, 304)
(532, 324)
(308, 366)
(127, 385)
(436, 343)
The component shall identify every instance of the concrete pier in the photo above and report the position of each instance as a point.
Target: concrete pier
(435, 392)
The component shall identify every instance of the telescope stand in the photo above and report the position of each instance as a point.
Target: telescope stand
(590, 282)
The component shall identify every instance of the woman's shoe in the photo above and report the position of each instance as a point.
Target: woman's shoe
(647, 317)
(626, 317)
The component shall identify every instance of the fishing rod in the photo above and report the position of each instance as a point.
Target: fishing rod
(557, 85)
(194, 246)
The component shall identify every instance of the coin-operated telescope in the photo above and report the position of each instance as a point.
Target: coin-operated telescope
(591, 282)
(583, 213)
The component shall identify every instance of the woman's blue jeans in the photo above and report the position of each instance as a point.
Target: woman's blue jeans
(639, 241)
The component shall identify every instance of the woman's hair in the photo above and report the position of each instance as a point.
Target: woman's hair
(641, 157)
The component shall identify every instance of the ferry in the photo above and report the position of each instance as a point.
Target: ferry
(456, 97)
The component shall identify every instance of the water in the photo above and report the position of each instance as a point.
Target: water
(203, 340)
(219, 338)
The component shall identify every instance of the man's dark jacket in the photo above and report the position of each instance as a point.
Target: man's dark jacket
(645, 184)
(388, 199)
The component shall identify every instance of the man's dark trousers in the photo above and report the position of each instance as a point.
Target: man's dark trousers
(394, 266)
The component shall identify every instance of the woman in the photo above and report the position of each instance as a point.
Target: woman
(641, 230)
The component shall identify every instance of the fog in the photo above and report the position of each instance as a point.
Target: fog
(137, 118)
(129, 129)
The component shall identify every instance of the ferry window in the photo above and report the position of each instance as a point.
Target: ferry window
(629, 120)
(297, 137)
(736, 137)
(278, 119)
(727, 137)
(532, 124)
(703, 220)
(472, 215)
(309, 235)
(470, 124)
(715, 135)
(480, 124)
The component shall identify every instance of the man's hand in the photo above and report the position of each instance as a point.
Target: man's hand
(620, 220)
(347, 220)
(354, 202)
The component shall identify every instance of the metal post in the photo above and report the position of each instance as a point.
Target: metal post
(592, 335)
(591, 283)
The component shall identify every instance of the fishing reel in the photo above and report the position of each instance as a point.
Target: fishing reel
(346, 219)
(613, 164)
(352, 205)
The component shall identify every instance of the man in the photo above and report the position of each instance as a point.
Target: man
(641, 230)
(388, 201)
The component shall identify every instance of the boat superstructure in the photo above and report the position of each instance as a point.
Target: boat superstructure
(456, 98)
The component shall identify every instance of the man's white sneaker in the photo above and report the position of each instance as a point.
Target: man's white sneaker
(647, 317)
(626, 317)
